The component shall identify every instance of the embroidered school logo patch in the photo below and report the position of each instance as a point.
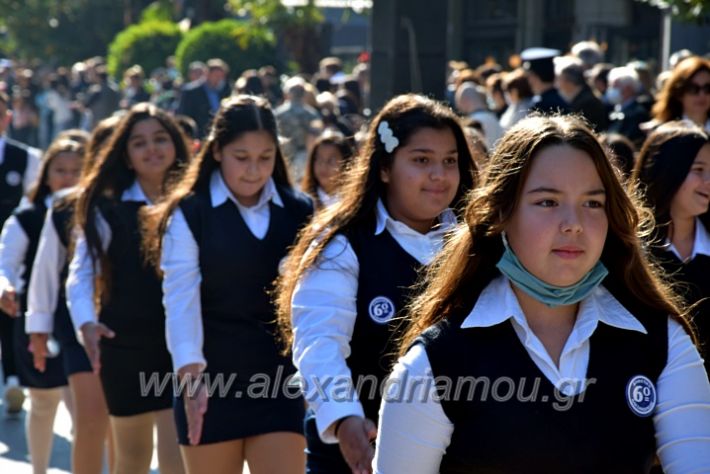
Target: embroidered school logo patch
(381, 309)
(13, 178)
(641, 395)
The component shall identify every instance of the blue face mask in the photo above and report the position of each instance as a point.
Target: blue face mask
(551, 295)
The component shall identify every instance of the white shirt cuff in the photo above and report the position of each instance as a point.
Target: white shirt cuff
(39, 323)
(329, 413)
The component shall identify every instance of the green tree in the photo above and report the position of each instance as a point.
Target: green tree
(241, 45)
(63, 31)
(298, 28)
(688, 10)
(147, 44)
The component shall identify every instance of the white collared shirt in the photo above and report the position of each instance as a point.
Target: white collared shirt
(14, 243)
(31, 170)
(180, 263)
(80, 282)
(701, 243)
(257, 216)
(706, 125)
(326, 199)
(413, 436)
(324, 310)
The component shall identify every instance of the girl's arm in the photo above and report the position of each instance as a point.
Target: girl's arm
(682, 417)
(180, 263)
(13, 247)
(80, 282)
(414, 431)
(43, 289)
(323, 316)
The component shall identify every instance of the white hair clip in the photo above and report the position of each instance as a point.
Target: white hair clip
(386, 137)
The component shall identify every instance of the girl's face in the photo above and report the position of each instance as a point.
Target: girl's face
(247, 163)
(696, 98)
(63, 171)
(423, 178)
(693, 196)
(559, 225)
(151, 151)
(327, 164)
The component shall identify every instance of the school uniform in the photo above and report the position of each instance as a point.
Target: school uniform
(629, 384)
(692, 275)
(345, 323)
(19, 166)
(47, 311)
(131, 307)
(220, 260)
(18, 246)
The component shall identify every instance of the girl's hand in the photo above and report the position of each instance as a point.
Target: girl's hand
(91, 334)
(354, 435)
(38, 347)
(195, 409)
(8, 302)
(195, 400)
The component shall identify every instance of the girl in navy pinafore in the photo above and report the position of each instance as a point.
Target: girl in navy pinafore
(225, 232)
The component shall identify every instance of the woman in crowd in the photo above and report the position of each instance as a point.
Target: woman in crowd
(686, 94)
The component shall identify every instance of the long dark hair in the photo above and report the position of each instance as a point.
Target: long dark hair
(405, 114)
(309, 185)
(468, 262)
(663, 164)
(111, 175)
(57, 147)
(236, 116)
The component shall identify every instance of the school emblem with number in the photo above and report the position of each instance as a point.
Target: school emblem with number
(381, 309)
(641, 395)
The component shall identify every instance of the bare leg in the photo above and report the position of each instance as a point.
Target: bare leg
(91, 427)
(169, 460)
(133, 442)
(217, 458)
(276, 453)
(40, 426)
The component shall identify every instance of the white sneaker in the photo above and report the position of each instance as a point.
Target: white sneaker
(14, 395)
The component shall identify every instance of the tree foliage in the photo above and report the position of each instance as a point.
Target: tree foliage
(298, 28)
(147, 44)
(688, 10)
(241, 45)
(60, 31)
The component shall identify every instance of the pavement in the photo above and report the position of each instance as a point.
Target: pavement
(14, 458)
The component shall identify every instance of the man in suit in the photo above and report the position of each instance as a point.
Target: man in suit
(19, 166)
(628, 114)
(200, 99)
(539, 67)
(576, 92)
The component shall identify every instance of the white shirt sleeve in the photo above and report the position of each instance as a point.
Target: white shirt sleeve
(43, 289)
(32, 169)
(323, 315)
(414, 431)
(13, 247)
(682, 417)
(80, 282)
(180, 263)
